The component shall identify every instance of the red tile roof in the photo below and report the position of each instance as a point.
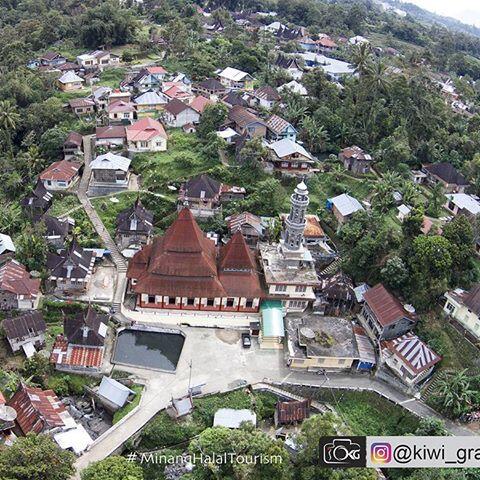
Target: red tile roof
(62, 170)
(37, 410)
(176, 92)
(112, 131)
(183, 263)
(145, 129)
(14, 278)
(385, 306)
(75, 355)
(155, 70)
(293, 411)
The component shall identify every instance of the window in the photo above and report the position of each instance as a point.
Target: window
(126, 115)
(159, 144)
(280, 288)
(450, 307)
(172, 300)
(144, 144)
(230, 302)
(151, 299)
(210, 302)
(300, 288)
(296, 304)
(249, 303)
(190, 301)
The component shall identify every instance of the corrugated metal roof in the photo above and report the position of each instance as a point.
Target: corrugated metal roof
(230, 418)
(114, 391)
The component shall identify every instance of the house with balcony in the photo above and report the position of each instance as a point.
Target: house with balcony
(290, 158)
(234, 79)
(110, 173)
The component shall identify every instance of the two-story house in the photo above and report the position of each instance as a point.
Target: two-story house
(18, 290)
(464, 307)
(235, 79)
(25, 332)
(383, 316)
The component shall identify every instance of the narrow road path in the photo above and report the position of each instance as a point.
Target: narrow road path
(97, 223)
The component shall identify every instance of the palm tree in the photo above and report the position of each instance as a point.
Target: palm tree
(455, 393)
(314, 134)
(436, 200)
(410, 193)
(9, 117)
(377, 77)
(362, 58)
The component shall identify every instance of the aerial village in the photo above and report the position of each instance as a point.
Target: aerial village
(200, 252)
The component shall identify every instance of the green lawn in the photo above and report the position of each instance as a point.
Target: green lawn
(111, 77)
(122, 412)
(62, 204)
(183, 159)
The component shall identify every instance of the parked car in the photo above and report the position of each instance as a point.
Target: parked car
(246, 340)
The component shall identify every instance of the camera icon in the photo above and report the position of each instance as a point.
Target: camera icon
(341, 452)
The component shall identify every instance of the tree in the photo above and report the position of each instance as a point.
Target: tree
(212, 117)
(36, 367)
(314, 134)
(266, 199)
(35, 457)
(394, 273)
(9, 119)
(431, 427)
(437, 199)
(252, 155)
(362, 58)
(32, 248)
(245, 442)
(113, 468)
(455, 394)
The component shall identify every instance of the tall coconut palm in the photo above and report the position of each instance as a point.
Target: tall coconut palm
(362, 58)
(9, 119)
(378, 79)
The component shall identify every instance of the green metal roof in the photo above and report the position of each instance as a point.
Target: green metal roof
(272, 319)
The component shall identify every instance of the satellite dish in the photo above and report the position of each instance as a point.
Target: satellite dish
(307, 333)
(409, 308)
(7, 414)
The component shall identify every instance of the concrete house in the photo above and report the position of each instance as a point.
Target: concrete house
(52, 60)
(146, 135)
(25, 332)
(148, 78)
(150, 103)
(463, 204)
(235, 79)
(464, 307)
(82, 106)
(134, 226)
(98, 58)
(265, 97)
(211, 88)
(355, 160)
(121, 112)
(383, 316)
(18, 290)
(278, 129)
(409, 358)
(110, 173)
(447, 175)
(60, 176)
(177, 114)
(111, 137)
(70, 81)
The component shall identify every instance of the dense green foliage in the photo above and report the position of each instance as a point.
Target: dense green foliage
(113, 468)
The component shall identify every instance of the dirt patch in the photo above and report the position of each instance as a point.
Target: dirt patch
(227, 336)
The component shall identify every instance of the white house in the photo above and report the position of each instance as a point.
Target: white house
(146, 135)
(294, 87)
(462, 203)
(464, 307)
(178, 114)
(236, 79)
(60, 175)
(98, 58)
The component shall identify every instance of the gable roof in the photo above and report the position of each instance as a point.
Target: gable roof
(285, 147)
(110, 161)
(135, 219)
(53, 226)
(267, 93)
(39, 198)
(465, 202)
(74, 138)
(235, 222)
(70, 77)
(199, 103)
(472, 299)
(243, 116)
(176, 107)
(37, 410)
(234, 74)
(194, 187)
(62, 170)
(278, 125)
(15, 279)
(145, 129)
(72, 263)
(293, 411)
(386, 308)
(346, 204)
(27, 325)
(212, 84)
(156, 70)
(151, 98)
(356, 153)
(446, 172)
(87, 328)
(81, 102)
(415, 354)
(287, 62)
(6, 244)
(111, 131)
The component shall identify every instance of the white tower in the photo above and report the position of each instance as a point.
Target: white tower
(295, 223)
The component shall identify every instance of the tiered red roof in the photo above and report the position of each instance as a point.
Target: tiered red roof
(185, 263)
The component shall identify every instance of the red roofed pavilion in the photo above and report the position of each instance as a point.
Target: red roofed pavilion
(185, 270)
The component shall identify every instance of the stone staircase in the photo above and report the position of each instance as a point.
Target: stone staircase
(332, 268)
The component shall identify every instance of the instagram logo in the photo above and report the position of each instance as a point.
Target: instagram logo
(381, 452)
